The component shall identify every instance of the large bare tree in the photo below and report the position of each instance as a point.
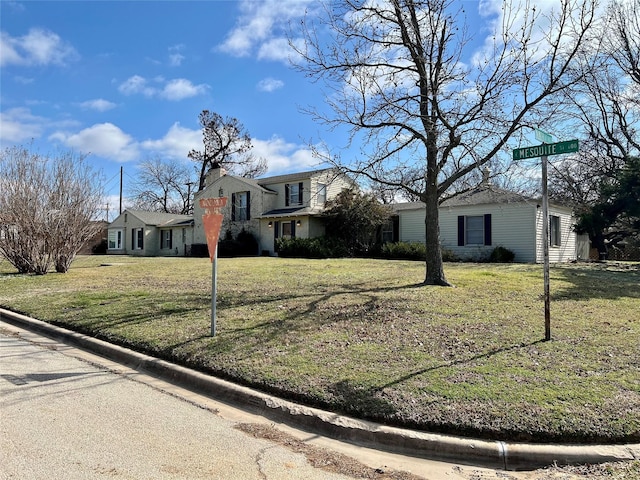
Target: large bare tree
(607, 114)
(163, 186)
(226, 144)
(48, 207)
(426, 102)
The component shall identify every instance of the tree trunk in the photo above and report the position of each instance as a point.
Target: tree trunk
(434, 266)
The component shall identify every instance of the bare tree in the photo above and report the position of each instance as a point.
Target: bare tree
(163, 186)
(47, 209)
(607, 111)
(428, 109)
(226, 145)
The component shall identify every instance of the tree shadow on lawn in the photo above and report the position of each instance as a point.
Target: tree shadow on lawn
(605, 281)
(460, 361)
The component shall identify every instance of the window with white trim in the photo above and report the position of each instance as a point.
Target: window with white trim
(114, 240)
(166, 239)
(555, 233)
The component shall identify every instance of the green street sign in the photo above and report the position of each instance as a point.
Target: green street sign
(546, 149)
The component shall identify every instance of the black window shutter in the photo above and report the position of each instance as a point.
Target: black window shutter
(461, 230)
(286, 194)
(248, 205)
(133, 239)
(276, 229)
(233, 207)
(293, 229)
(487, 229)
(171, 238)
(300, 193)
(396, 228)
(141, 234)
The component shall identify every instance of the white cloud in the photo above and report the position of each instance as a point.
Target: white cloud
(176, 143)
(176, 89)
(18, 125)
(36, 48)
(175, 57)
(282, 156)
(104, 140)
(136, 84)
(182, 88)
(277, 49)
(270, 84)
(98, 104)
(263, 24)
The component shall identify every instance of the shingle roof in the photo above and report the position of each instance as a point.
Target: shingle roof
(482, 195)
(161, 219)
(291, 212)
(291, 177)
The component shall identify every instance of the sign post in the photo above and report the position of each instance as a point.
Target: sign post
(212, 221)
(543, 151)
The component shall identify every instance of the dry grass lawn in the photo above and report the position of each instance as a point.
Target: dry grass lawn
(365, 338)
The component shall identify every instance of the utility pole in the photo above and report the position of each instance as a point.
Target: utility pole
(121, 170)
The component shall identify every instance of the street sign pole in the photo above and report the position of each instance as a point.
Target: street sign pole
(545, 250)
(543, 151)
(212, 222)
(214, 292)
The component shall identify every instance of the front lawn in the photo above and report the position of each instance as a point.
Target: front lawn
(365, 338)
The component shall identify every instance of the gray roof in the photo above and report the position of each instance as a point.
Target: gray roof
(291, 177)
(483, 195)
(161, 219)
(291, 212)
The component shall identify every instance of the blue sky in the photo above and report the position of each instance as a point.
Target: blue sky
(125, 81)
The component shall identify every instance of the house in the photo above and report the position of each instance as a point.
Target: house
(283, 206)
(474, 223)
(135, 232)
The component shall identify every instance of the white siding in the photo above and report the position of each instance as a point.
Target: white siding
(566, 252)
(512, 227)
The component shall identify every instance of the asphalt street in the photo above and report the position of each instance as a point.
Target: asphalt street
(63, 418)
(69, 414)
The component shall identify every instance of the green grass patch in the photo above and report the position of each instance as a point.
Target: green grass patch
(366, 338)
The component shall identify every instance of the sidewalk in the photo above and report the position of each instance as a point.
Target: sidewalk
(494, 454)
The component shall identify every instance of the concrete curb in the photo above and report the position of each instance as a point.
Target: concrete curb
(495, 454)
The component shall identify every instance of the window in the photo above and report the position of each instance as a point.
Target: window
(322, 194)
(240, 207)
(166, 237)
(555, 234)
(115, 240)
(474, 230)
(137, 238)
(293, 194)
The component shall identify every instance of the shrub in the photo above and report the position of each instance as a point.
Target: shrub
(404, 251)
(501, 255)
(319, 247)
(244, 245)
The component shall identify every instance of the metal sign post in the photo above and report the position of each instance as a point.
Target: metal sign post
(212, 222)
(543, 151)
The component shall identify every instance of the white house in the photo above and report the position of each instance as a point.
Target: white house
(474, 223)
(136, 232)
(271, 207)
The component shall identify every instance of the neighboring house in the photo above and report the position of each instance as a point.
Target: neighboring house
(474, 223)
(149, 234)
(272, 207)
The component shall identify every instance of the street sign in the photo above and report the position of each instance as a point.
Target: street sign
(212, 223)
(545, 150)
(543, 136)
